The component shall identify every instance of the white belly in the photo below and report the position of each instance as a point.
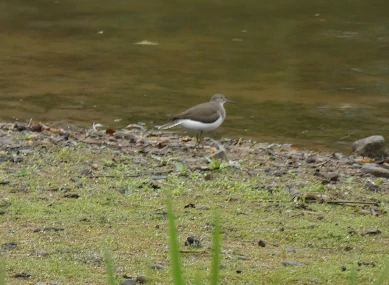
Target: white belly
(191, 125)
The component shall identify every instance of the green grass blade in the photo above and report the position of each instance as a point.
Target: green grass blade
(353, 276)
(173, 246)
(109, 268)
(384, 275)
(215, 269)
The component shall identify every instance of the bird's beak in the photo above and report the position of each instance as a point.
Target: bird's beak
(229, 101)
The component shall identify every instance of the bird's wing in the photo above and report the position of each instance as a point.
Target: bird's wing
(205, 113)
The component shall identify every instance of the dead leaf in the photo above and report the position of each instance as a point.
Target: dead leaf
(186, 139)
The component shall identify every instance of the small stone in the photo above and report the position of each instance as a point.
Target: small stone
(9, 246)
(23, 275)
(42, 253)
(286, 147)
(72, 195)
(375, 170)
(362, 263)
(233, 199)
(242, 257)
(372, 186)
(47, 229)
(219, 155)
(78, 185)
(192, 241)
(351, 231)
(36, 128)
(208, 177)
(10, 158)
(343, 268)
(157, 266)
(279, 173)
(4, 182)
(290, 249)
(4, 203)
(128, 282)
(18, 159)
(262, 243)
(203, 207)
(332, 176)
(371, 232)
(293, 191)
(328, 176)
(158, 177)
(86, 172)
(337, 156)
(234, 164)
(95, 166)
(290, 263)
(373, 146)
(311, 159)
(141, 279)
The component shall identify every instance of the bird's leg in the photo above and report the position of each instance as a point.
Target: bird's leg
(197, 140)
(201, 140)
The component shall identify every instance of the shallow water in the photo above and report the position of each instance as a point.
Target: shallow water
(312, 74)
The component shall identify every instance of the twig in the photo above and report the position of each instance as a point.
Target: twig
(352, 202)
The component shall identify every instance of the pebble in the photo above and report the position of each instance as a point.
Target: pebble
(373, 146)
(157, 266)
(141, 279)
(219, 155)
(242, 257)
(289, 249)
(42, 253)
(192, 241)
(262, 243)
(202, 207)
(95, 166)
(291, 263)
(5, 182)
(128, 282)
(9, 246)
(72, 195)
(375, 170)
(23, 275)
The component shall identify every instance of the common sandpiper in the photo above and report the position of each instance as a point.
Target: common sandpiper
(201, 118)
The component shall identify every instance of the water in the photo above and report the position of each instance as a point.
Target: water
(312, 73)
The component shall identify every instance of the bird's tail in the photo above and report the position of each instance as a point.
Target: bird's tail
(170, 125)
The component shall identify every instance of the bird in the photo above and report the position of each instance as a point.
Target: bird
(201, 118)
